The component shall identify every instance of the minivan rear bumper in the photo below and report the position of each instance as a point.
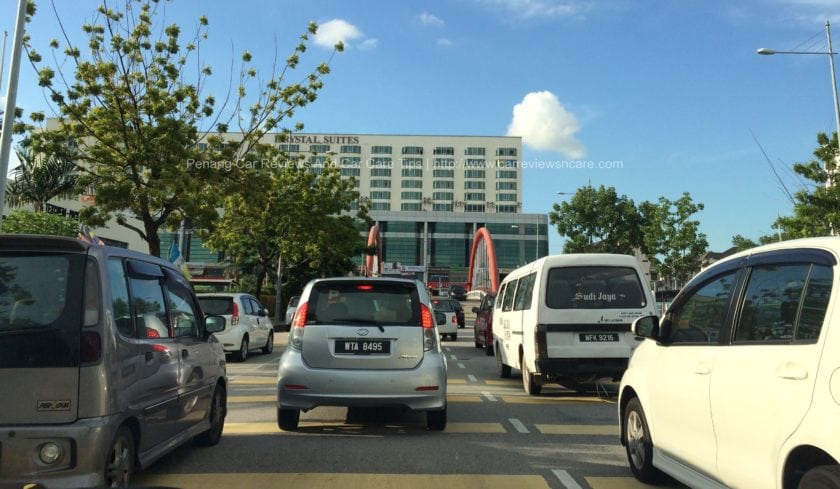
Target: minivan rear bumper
(549, 369)
(84, 445)
(313, 387)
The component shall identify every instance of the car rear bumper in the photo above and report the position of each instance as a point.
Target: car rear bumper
(553, 368)
(84, 445)
(231, 338)
(311, 387)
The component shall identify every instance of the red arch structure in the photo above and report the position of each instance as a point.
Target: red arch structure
(483, 274)
(373, 268)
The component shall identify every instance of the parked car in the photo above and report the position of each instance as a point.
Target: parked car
(290, 310)
(458, 292)
(363, 342)
(566, 319)
(450, 328)
(483, 327)
(93, 364)
(738, 385)
(248, 323)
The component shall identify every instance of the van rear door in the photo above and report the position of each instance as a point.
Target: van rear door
(41, 318)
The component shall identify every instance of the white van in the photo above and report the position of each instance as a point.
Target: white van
(566, 319)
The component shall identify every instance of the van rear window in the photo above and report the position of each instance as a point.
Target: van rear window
(41, 309)
(594, 288)
(216, 306)
(358, 303)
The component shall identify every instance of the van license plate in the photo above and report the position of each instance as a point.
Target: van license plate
(598, 337)
(363, 347)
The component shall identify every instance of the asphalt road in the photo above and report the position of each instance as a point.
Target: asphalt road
(496, 437)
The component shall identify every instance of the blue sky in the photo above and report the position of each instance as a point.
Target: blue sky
(671, 89)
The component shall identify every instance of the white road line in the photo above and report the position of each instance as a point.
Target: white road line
(489, 397)
(518, 425)
(461, 365)
(453, 357)
(471, 378)
(566, 479)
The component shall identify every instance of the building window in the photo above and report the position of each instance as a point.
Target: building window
(474, 163)
(506, 174)
(474, 174)
(474, 208)
(444, 150)
(412, 184)
(474, 151)
(350, 161)
(380, 184)
(319, 160)
(350, 172)
(411, 195)
(474, 185)
(380, 206)
(443, 173)
(507, 163)
(412, 150)
(506, 197)
(506, 209)
(443, 183)
(506, 152)
(412, 172)
(380, 172)
(411, 206)
(505, 185)
(474, 196)
(351, 149)
(289, 148)
(380, 150)
(412, 162)
(444, 162)
(319, 148)
(442, 207)
(380, 195)
(381, 161)
(443, 195)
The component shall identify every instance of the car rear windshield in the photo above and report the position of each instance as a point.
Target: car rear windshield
(354, 303)
(594, 287)
(41, 297)
(215, 306)
(443, 305)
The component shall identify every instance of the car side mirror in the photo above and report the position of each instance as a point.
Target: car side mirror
(646, 327)
(214, 324)
(474, 309)
(262, 313)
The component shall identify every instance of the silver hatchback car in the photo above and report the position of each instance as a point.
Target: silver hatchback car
(363, 342)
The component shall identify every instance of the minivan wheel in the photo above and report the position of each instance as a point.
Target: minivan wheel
(639, 445)
(822, 477)
(218, 410)
(436, 420)
(529, 382)
(242, 354)
(504, 370)
(287, 419)
(269, 344)
(119, 466)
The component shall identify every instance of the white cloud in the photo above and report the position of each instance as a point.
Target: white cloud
(334, 31)
(529, 9)
(545, 124)
(430, 20)
(444, 42)
(369, 43)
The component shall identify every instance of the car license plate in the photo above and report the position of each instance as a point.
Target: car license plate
(363, 347)
(598, 337)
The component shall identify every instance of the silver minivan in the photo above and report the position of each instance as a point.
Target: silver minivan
(110, 359)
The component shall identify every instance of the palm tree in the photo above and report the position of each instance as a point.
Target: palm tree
(39, 179)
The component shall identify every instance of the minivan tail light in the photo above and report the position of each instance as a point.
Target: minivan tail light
(234, 319)
(426, 319)
(91, 347)
(300, 316)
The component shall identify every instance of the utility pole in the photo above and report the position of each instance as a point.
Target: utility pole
(11, 100)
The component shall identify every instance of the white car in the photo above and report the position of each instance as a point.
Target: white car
(290, 310)
(247, 327)
(449, 328)
(739, 384)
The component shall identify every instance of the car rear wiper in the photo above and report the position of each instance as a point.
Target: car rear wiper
(360, 321)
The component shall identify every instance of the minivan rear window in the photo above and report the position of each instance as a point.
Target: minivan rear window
(354, 303)
(216, 306)
(594, 287)
(41, 309)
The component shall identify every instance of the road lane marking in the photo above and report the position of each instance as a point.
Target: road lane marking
(453, 357)
(566, 479)
(456, 381)
(269, 428)
(244, 399)
(341, 481)
(502, 382)
(518, 425)
(615, 483)
(489, 397)
(253, 380)
(461, 365)
(471, 378)
(552, 400)
(578, 429)
(462, 398)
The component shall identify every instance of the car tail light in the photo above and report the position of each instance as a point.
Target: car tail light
(426, 317)
(430, 336)
(234, 318)
(296, 331)
(91, 347)
(364, 287)
(455, 319)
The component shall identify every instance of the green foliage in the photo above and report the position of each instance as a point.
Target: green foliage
(672, 240)
(29, 222)
(40, 178)
(742, 243)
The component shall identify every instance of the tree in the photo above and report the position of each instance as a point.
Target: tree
(671, 239)
(742, 243)
(597, 220)
(41, 178)
(138, 112)
(28, 222)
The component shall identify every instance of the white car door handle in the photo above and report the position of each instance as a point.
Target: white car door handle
(702, 369)
(791, 371)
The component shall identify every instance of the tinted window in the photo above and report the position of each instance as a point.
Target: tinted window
(149, 309)
(594, 288)
(353, 303)
(455, 305)
(815, 303)
(256, 306)
(212, 306)
(524, 292)
(443, 306)
(247, 305)
(182, 311)
(119, 297)
(501, 296)
(700, 317)
(507, 300)
(771, 303)
(489, 302)
(40, 309)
